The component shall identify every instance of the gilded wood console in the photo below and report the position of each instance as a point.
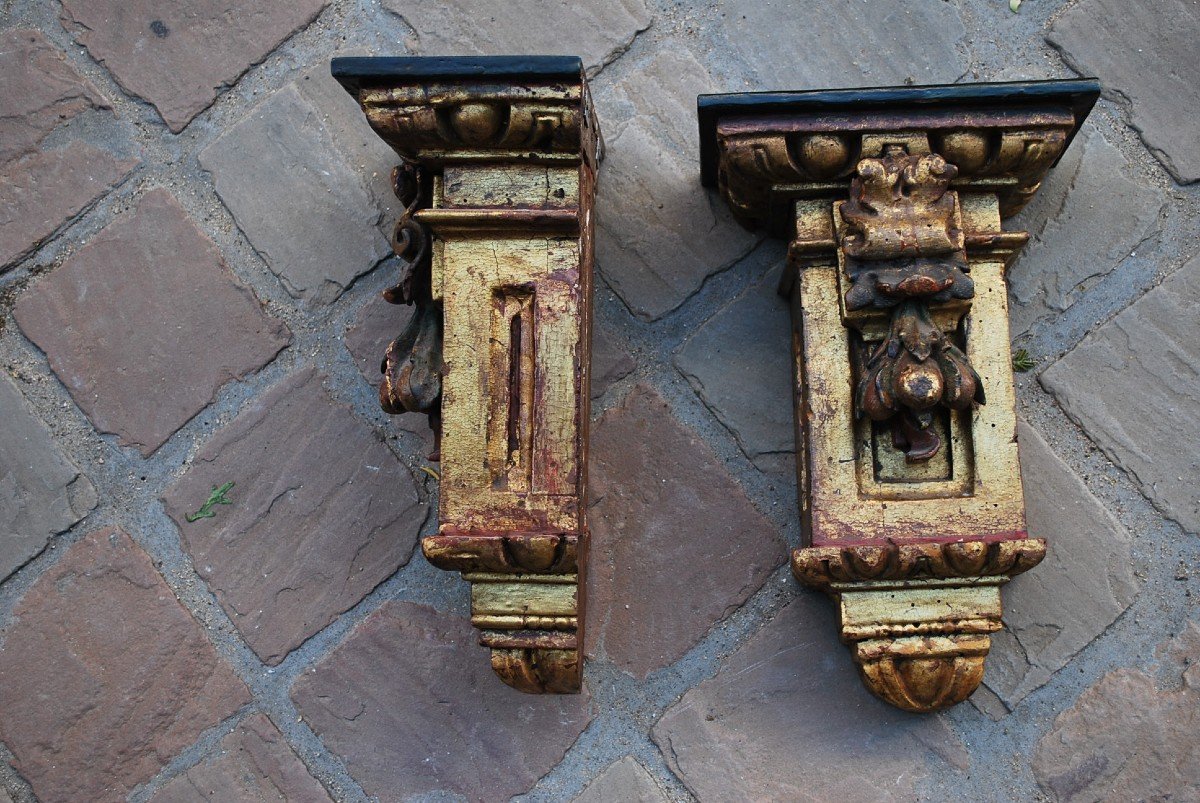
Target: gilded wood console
(497, 176)
(892, 200)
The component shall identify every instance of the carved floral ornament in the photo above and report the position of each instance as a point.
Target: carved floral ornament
(497, 350)
(912, 509)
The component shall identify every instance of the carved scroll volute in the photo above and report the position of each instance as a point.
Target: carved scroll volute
(912, 509)
(498, 268)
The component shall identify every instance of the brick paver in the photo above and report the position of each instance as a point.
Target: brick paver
(309, 184)
(665, 516)
(865, 43)
(104, 676)
(733, 737)
(251, 763)
(1085, 582)
(377, 324)
(660, 236)
(1133, 386)
(626, 781)
(145, 323)
(1147, 62)
(320, 513)
(179, 57)
(40, 90)
(44, 190)
(595, 33)
(44, 493)
(611, 361)
(410, 702)
(740, 363)
(1131, 735)
(1087, 218)
(41, 190)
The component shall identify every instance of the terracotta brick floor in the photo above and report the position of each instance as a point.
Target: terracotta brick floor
(193, 239)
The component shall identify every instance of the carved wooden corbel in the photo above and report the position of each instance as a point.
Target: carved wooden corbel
(497, 178)
(892, 199)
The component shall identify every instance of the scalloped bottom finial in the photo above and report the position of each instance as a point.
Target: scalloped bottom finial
(531, 623)
(539, 671)
(920, 644)
(922, 674)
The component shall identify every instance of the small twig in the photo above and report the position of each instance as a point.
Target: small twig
(217, 497)
(432, 473)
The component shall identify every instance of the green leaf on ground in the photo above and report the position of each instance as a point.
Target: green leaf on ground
(217, 497)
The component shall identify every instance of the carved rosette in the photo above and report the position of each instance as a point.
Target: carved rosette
(497, 178)
(912, 509)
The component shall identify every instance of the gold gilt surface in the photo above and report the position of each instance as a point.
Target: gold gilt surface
(914, 551)
(509, 210)
(919, 647)
(515, 298)
(843, 508)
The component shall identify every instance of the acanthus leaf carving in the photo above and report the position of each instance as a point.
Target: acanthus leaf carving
(904, 249)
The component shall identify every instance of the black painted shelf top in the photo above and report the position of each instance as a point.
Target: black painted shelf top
(352, 71)
(1078, 94)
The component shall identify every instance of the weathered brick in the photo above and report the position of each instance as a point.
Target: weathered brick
(740, 362)
(854, 42)
(689, 535)
(145, 323)
(660, 236)
(1131, 384)
(1130, 736)
(320, 514)
(786, 718)
(1086, 219)
(625, 781)
(594, 32)
(377, 324)
(179, 57)
(1148, 62)
(41, 492)
(309, 144)
(104, 676)
(251, 763)
(410, 702)
(44, 190)
(38, 90)
(1085, 582)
